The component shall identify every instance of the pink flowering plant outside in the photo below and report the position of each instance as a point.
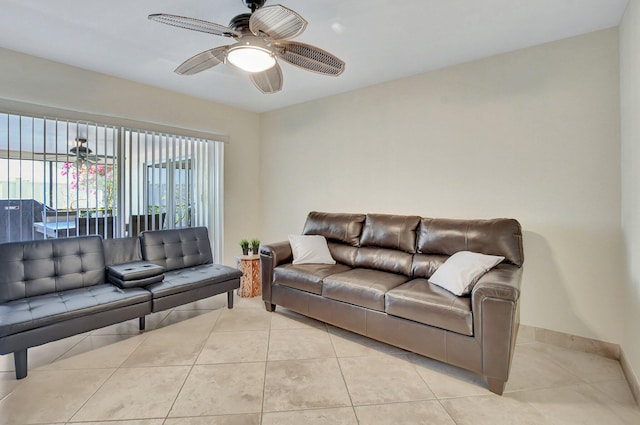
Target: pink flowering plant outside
(91, 181)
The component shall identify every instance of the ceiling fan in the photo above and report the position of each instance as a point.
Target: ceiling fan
(84, 153)
(262, 37)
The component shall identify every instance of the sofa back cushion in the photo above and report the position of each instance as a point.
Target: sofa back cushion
(388, 260)
(33, 268)
(121, 250)
(502, 236)
(177, 248)
(343, 228)
(390, 231)
(344, 254)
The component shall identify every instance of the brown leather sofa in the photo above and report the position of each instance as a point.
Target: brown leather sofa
(379, 286)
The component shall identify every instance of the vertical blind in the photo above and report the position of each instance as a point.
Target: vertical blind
(60, 178)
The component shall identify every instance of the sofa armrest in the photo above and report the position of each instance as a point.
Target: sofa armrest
(496, 317)
(279, 251)
(501, 282)
(272, 256)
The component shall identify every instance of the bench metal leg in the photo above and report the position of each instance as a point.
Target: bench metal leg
(230, 299)
(141, 324)
(20, 361)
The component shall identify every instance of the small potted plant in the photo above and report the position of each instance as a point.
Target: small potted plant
(255, 246)
(244, 244)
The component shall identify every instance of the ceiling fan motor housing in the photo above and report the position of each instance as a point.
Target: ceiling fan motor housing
(241, 22)
(254, 4)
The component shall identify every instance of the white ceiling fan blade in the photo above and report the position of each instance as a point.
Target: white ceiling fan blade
(202, 61)
(277, 23)
(194, 24)
(309, 57)
(269, 81)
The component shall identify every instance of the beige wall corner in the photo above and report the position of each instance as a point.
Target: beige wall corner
(630, 118)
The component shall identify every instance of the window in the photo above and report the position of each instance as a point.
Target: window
(61, 178)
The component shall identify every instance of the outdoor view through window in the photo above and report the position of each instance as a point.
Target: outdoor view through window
(61, 178)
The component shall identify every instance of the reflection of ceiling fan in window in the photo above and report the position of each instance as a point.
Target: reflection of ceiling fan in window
(84, 153)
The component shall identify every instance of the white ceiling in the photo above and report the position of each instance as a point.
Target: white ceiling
(380, 40)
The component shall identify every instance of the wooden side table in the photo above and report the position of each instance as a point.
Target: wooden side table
(251, 282)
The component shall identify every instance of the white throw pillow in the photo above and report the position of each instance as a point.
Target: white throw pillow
(310, 249)
(462, 270)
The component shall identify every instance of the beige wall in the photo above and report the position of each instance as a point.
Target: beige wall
(532, 134)
(630, 101)
(33, 80)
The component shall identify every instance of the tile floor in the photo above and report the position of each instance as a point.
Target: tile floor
(204, 364)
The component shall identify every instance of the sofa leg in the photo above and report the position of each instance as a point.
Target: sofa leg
(269, 306)
(496, 386)
(20, 361)
(230, 299)
(141, 323)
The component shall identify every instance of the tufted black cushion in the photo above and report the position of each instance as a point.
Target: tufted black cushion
(42, 310)
(177, 248)
(33, 268)
(191, 278)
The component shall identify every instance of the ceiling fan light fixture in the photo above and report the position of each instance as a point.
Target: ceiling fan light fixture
(251, 56)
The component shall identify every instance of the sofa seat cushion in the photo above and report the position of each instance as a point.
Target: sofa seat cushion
(362, 287)
(426, 303)
(306, 277)
(42, 310)
(176, 281)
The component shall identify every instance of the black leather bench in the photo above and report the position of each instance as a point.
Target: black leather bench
(55, 288)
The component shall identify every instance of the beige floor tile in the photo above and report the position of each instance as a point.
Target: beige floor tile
(128, 422)
(589, 367)
(616, 390)
(251, 419)
(548, 385)
(380, 379)
(8, 383)
(221, 389)
(532, 369)
(493, 410)
(349, 344)
(192, 321)
(337, 416)
(43, 355)
(130, 327)
(291, 344)
(618, 396)
(6, 363)
(287, 319)
(420, 412)
(243, 319)
(167, 349)
(448, 381)
(576, 404)
(234, 347)
(98, 351)
(304, 384)
(50, 395)
(139, 393)
(248, 302)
